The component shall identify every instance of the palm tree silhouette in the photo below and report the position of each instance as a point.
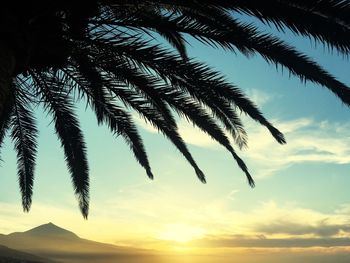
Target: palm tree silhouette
(109, 53)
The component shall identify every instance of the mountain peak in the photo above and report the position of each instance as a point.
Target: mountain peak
(49, 225)
(51, 230)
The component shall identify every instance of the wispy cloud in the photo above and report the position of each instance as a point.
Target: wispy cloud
(259, 97)
(260, 242)
(320, 229)
(307, 141)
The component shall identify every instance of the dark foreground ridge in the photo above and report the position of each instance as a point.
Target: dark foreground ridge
(8, 255)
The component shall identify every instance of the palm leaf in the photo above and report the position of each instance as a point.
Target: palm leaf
(68, 131)
(114, 117)
(24, 135)
(123, 56)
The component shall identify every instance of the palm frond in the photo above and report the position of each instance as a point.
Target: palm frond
(119, 122)
(24, 133)
(121, 56)
(169, 129)
(69, 133)
(194, 112)
(318, 19)
(205, 84)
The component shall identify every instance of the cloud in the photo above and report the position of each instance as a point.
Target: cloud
(307, 141)
(259, 97)
(275, 220)
(321, 229)
(270, 224)
(233, 241)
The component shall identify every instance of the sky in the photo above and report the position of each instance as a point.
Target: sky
(300, 205)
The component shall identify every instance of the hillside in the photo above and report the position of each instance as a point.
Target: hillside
(56, 243)
(8, 255)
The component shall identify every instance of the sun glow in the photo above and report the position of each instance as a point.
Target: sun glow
(180, 233)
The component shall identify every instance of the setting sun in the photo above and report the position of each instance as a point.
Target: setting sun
(180, 233)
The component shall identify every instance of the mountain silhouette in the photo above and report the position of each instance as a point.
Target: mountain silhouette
(14, 256)
(58, 244)
(47, 230)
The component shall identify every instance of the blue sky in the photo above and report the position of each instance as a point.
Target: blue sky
(302, 187)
